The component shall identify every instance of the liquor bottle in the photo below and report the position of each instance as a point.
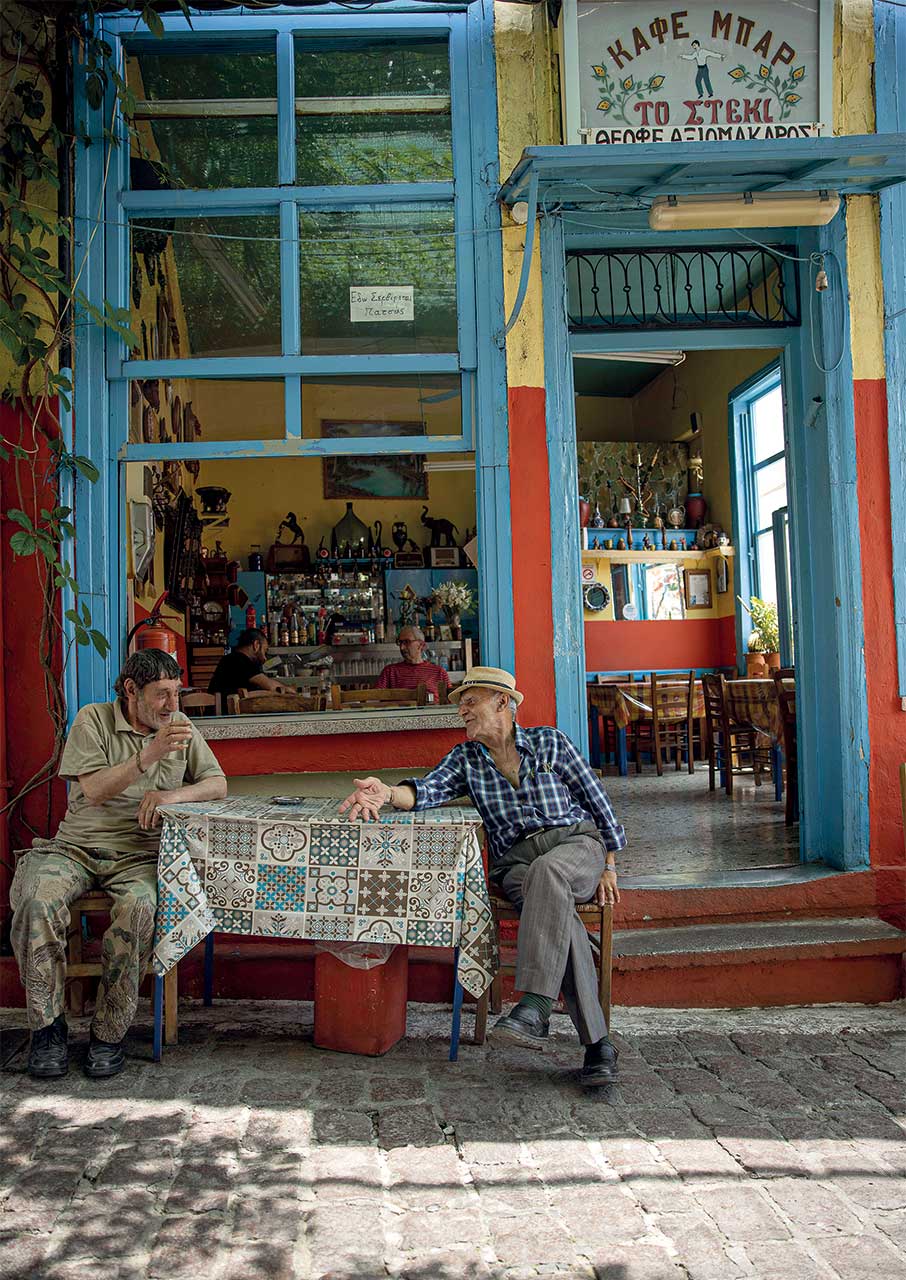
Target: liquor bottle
(274, 631)
(251, 618)
(294, 628)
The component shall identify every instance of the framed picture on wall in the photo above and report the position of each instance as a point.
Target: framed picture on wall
(721, 575)
(388, 475)
(698, 588)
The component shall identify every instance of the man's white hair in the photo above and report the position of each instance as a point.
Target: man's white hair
(514, 706)
(415, 632)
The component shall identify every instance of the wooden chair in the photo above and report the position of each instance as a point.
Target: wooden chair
(598, 922)
(164, 998)
(608, 728)
(200, 704)
(729, 740)
(786, 696)
(262, 701)
(672, 727)
(340, 698)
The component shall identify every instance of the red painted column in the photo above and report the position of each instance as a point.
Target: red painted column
(531, 531)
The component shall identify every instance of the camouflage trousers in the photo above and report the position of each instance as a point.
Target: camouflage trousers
(48, 878)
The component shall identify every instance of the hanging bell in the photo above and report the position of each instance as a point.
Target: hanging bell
(821, 282)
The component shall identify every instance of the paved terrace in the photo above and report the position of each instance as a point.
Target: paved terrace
(765, 1143)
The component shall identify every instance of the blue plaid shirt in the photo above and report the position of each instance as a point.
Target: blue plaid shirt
(556, 789)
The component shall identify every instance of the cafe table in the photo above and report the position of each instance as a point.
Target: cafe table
(251, 866)
(755, 702)
(626, 704)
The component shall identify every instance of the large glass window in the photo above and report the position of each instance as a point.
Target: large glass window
(768, 484)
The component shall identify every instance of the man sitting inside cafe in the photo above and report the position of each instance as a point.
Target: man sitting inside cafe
(414, 668)
(123, 760)
(551, 836)
(242, 667)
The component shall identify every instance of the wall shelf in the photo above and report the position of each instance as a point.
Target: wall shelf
(657, 557)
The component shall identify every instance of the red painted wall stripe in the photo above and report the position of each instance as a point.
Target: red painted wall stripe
(886, 721)
(648, 646)
(335, 753)
(531, 531)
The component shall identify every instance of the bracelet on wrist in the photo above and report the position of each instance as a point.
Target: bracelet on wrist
(138, 761)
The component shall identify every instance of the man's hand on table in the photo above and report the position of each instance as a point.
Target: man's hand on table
(148, 812)
(607, 890)
(366, 801)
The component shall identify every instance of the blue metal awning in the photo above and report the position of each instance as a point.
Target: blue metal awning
(860, 164)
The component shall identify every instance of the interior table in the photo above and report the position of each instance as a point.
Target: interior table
(247, 865)
(626, 704)
(754, 701)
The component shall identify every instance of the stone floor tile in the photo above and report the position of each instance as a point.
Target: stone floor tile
(637, 1262)
(865, 1257)
(698, 1246)
(785, 1260)
(742, 1213)
(814, 1208)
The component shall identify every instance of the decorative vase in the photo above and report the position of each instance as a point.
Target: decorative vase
(696, 510)
(353, 531)
(456, 627)
(756, 668)
(584, 512)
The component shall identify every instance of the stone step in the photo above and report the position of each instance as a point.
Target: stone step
(709, 944)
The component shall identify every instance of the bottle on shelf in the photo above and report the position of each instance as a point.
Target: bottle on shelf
(274, 630)
(251, 618)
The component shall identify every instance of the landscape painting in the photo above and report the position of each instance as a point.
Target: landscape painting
(377, 476)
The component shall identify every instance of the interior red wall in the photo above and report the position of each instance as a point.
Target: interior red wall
(336, 753)
(530, 501)
(638, 646)
(886, 720)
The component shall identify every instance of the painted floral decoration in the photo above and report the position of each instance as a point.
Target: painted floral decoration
(616, 98)
(782, 89)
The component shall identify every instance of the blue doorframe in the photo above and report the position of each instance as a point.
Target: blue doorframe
(825, 547)
(101, 391)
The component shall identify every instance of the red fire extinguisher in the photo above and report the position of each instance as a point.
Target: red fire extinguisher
(152, 632)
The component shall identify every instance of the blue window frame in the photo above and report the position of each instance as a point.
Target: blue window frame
(107, 374)
(760, 485)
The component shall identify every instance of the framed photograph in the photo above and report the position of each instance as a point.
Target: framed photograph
(399, 475)
(721, 575)
(698, 589)
(445, 632)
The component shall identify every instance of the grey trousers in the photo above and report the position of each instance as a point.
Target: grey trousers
(546, 877)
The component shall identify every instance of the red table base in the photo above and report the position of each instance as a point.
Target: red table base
(361, 1010)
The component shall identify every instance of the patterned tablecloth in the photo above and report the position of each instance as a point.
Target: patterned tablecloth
(628, 702)
(246, 865)
(755, 702)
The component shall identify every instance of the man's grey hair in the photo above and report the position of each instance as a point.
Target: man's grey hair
(514, 706)
(144, 667)
(415, 632)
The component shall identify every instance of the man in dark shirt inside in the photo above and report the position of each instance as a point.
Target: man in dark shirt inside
(241, 668)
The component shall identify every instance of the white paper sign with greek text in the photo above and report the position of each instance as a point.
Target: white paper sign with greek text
(369, 303)
(701, 73)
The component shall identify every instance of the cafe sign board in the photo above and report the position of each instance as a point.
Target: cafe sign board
(636, 72)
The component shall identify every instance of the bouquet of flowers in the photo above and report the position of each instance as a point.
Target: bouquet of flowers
(452, 598)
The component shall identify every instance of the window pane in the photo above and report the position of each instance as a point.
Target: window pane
(767, 573)
(336, 408)
(664, 588)
(379, 114)
(770, 492)
(204, 119)
(187, 410)
(361, 269)
(206, 287)
(767, 425)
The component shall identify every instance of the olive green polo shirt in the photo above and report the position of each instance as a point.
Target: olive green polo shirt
(101, 737)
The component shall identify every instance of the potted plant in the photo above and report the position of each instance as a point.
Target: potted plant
(453, 599)
(764, 638)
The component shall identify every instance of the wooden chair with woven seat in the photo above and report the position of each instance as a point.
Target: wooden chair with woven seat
(598, 922)
(672, 726)
(378, 698)
(164, 989)
(728, 740)
(786, 696)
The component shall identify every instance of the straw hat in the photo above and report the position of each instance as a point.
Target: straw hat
(493, 678)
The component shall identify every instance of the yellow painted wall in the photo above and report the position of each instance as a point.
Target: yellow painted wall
(723, 604)
(604, 418)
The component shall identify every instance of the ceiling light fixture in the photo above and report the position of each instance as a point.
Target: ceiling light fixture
(745, 209)
(637, 357)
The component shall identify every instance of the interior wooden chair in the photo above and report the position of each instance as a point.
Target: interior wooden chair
(263, 700)
(729, 742)
(784, 673)
(672, 726)
(786, 696)
(619, 677)
(377, 698)
(96, 902)
(200, 704)
(598, 922)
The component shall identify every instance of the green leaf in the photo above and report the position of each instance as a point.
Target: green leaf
(152, 21)
(86, 467)
(86, 615)
(67, 528)
(100, 642)
(20, 518)
(22, 543)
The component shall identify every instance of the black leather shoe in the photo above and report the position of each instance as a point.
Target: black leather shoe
(600, 1066)
(48, 1054)
(524, 1026)
(104, 1059)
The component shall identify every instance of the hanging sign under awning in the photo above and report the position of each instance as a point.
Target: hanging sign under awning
(637, 72)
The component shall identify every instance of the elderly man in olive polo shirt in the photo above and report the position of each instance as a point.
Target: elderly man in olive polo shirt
(123, 760)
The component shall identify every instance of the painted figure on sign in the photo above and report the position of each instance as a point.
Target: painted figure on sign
(700, 57)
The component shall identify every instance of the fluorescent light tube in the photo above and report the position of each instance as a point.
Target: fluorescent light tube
(745, 209)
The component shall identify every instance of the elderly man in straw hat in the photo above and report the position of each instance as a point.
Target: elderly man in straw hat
(552, 836)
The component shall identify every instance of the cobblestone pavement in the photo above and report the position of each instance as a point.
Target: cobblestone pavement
(759, 1143)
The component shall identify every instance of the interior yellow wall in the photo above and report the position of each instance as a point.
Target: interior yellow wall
(604, 418)
(723, 604)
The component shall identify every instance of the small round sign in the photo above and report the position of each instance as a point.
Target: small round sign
(596, 597)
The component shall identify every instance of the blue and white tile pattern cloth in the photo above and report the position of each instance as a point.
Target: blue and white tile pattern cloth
(246, 865)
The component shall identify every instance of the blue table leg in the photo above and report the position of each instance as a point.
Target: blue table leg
(595, 737)
(457, 1008)
(158, 1017)
(209, 970)
(777, 770)
(622, 757)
